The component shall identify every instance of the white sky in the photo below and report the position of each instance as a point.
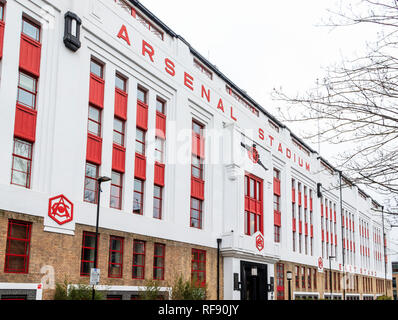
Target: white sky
(266, 44)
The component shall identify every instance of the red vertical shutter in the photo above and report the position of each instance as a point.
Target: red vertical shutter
(121, 104)
(142, 115)
(2, 26)
(299, 198)
(294, 224)
(198, 145)
(160, 125)
(29, 57)
(293, 195)
(140, 166)
(310, 204)
(25, 123)
(305, 201)
(197, 188)
(97, 86)
(94, 149)
(277, 218)
(321, 209)
(118, 158)
(312, 231)
(159, 174)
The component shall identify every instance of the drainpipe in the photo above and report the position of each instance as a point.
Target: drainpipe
(218, 268)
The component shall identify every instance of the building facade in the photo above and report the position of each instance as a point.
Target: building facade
(204, 182)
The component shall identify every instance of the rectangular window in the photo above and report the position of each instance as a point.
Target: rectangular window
(196, 213)
(21, 163)
(115, 257)
(277, 234)
(160, 106)
(140, 141)
(18, 247)
(1, 11)
(88, 253)
(297, 277)
(157, 202)
(138, 259)
(198, 267)
(197, 167)
(31, 30)
(142, 95)
(94, 121)
(309, 278)
(118, 132)
(197, 128)
(277, 209)
(96, 68)
(159, 150)
(120, 83)
(90, 183)
(315, 282)
(280, 282)
(253, 214)
(116, 190)
(159, 261)
(303, 277)
(138, 204)
(27, 90)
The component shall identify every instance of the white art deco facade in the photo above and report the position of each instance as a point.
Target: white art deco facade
(203, 178)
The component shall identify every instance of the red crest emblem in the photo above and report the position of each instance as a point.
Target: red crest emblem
(60, 209)
(320, 263)
(260, 242)
(253, 154)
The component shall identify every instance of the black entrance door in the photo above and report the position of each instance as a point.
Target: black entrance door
(254, 281)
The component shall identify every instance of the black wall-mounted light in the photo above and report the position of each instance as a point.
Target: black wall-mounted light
(72, 31)
(318, 189)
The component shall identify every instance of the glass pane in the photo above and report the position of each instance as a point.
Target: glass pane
(138, 272)
(115, 257)
(160, 106)
(26, 98)
(16, 264)
(18, 231)
(89, 241)
(94, 128)
(96, 68)
(120, 83)
(195, 203)
(17, 247)
(116, 244)
(158, 273)
(30, 30)
(157, 192)
(27, 82)
(88, 255)
(137, 185)
(139, 247)
(118, 125)
(140, 135)
(20, 178)
(116, 178)
(196, 128)
(141, 95)
(22, 149)
(196, 172)
(21, 165)
(158, 262)
(138, 259)
(252, 223)
(91, 170)
(156, 213)
(94, 114)
(252, 186)
(159, 250)
(1, 12)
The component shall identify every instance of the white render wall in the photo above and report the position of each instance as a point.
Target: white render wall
(61, 136)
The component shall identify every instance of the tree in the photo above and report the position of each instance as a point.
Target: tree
(356, 102)
(66, 291)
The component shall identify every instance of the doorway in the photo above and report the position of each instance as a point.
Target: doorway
(254, 281)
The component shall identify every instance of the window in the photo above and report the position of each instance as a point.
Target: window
(142, 95)
(18, 247)
(159, 150)
(309, 278)
(277, 234)
(197, 128)
(140, 141)
(160, 106)
(90, 183)
(157, 202)
(280, 282)
(1, 11)
(94, 121)
(116, 190)
(138, 259)
(120, 83)
(88, 253)
(115, 257)
(196, 213)
(158, 261)
(197, 167)
(297, 276)
(27, 90)
(303, 277)
(315, 282)
(198, 267)
(96, 68)
(277, 209)
(253, 216)
(118, 132)
(21, 163)
(138, 205)
(31, 30)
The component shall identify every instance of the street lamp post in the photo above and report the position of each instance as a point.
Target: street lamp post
(289, 277)
(99, 180)
(330, 276)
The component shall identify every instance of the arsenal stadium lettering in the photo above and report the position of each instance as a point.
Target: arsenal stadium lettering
(147, 50)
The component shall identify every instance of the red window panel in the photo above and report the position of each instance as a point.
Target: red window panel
(138, 265)
(115, 263)
(25, 123)
(321, 209)
(159, 261)
(327, 236)
(116, 190)
(198, 267)
(300, 227)
(160, 125)
(88, 253)
(21, 163)
(140, 166)
(277, 218)
(17, 247)
(96, 95)
(142, 115)
(311, 205)
(294, 224)
(306, 229)
(2, 26)
(118, 158)
(293, 195)
(297, 277)
(29, 55)
(323, 235)
(91, 183)
(27, 90)
(305, 201)
(121, 98)
(198, 147)
(253, 204)
(94, 149)
(157, 202)
(312, 231)
(309, 278)
(197, 188)
(196, 213)
(299, 198)
(277, 186)
(159, 174)
(138, 198)
(303, 277)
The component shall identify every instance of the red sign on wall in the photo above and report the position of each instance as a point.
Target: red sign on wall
(260, 242)
(60, 209)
